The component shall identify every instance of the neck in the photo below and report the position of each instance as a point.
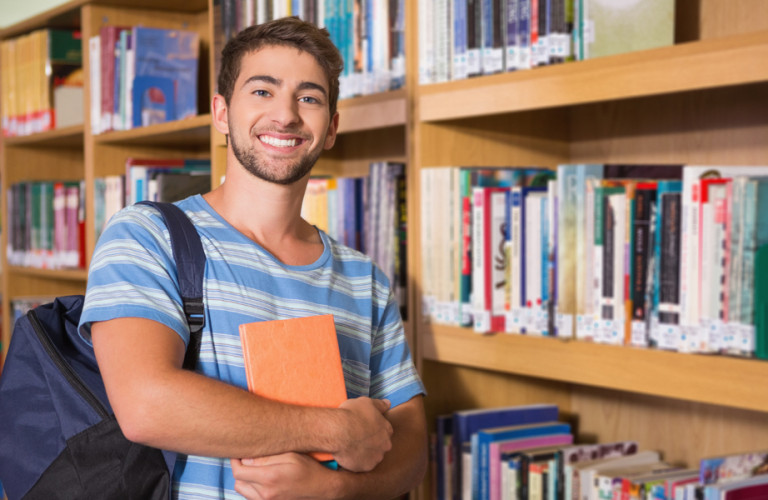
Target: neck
(268, 214)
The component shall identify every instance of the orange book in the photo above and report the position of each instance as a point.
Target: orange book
(295, 361)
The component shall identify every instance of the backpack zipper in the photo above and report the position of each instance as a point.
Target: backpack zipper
(69, 373)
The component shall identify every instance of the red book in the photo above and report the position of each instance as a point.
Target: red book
(295, 361)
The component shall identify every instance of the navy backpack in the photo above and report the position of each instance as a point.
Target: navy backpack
(59, 436)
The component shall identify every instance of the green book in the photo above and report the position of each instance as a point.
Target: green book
(617, 26)
(761, 302)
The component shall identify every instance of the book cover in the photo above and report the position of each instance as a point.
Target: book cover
(295, 361)
(712, 260)
(170, 186)
(645, 202)
(136, 175)
(617, 27)
(761, 302)
(468, 422)
(171, 57)
(732, 467)
(669, 258)
(495, 263)
(474, 37)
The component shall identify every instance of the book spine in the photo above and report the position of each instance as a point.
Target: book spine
(641, 255)
(478, 260)
(511, 58)
(669, 291)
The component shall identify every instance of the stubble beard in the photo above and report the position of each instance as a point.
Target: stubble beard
(260, 169)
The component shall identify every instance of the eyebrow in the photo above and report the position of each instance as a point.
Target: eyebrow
(305, 85)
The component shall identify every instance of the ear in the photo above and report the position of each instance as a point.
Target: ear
(333, 127)
(219, 114)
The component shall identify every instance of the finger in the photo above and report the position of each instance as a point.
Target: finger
(382, 404)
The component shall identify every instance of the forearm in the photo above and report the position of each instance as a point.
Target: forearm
(159, 404)
(196, 415)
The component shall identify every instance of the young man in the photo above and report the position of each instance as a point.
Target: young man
(277, 105)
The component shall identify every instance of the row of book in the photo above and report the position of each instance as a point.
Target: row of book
(46, 219)
(369, 33)
(41, 81)
(46, 224)
(465, 38)
(154, 179)
(142, 76)
(527, 452)
(666, 256)
(368, 214)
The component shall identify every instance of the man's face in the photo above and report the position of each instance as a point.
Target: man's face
(278, 117)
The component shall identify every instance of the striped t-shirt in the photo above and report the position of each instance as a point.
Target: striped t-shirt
(133, 274)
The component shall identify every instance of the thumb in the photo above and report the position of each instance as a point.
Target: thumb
(382, 404)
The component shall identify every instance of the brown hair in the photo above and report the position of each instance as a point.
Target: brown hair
(289, 32)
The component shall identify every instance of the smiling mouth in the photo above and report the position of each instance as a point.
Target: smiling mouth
(279, 143)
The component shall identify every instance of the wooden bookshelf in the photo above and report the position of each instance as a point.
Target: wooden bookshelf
(708, 64)
(717, 380)
(702, 101)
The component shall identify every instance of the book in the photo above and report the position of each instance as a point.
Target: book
(761, 302)
(617, 27)
(165, 81)
(108, 38)
(295, 361)
(482, 473)
(170, 186)
(584, 473)
(566, 457)
(644, 204)
(499, 451)
(488, 262)
(468, 422)
(732, 467)
(444, 457)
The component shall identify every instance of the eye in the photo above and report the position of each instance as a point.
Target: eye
(309, 100)
(261, 93)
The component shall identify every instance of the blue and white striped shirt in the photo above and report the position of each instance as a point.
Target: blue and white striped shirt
(133, 274)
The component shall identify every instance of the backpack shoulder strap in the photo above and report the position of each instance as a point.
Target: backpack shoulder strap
(190, 262)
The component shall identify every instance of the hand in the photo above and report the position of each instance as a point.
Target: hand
(366, 434)
(286, 476)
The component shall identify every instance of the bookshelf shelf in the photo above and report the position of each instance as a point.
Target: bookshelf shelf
(718, 380)
(54, 274)
(685, 67)
(178, 134)
(376, 111)
(67, 137)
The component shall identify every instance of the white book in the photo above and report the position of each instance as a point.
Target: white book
(514, 274)
(533, 251)
(479, 307)
(94, 57)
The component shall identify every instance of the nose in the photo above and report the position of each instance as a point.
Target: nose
(285, 111)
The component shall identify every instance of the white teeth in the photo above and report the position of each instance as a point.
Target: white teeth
(280, 143)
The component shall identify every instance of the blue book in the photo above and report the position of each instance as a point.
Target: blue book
(482, 439)
(468, 422)
(170, 55)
